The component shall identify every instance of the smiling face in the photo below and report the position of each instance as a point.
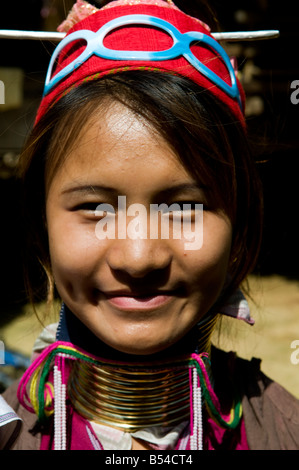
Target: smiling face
(137, 295)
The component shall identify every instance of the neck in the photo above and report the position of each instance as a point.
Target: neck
(72, 330)
(134, 392)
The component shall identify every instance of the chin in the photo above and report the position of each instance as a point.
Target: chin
(146, 346)
(139, 349)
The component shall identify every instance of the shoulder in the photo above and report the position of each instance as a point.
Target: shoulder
(22, 436)
(271, 413)
(17, 434)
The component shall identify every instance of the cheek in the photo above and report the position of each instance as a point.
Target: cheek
(74, 250)
(217, 237)
(208, 265)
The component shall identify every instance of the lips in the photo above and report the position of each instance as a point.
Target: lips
(133, 301)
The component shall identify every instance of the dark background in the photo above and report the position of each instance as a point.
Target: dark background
(268, 68)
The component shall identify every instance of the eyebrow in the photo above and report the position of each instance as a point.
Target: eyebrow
(89, 189)
(167, 192)
(181, 188)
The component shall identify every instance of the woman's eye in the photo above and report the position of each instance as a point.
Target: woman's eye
(95, 208)
(184, 207)
(190, 205)
(103, 209)
(87, 206)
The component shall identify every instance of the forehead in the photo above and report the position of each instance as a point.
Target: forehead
(119, 148)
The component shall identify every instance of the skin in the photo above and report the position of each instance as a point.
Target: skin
(139, 296)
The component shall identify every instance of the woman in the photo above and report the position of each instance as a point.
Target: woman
(143, 110)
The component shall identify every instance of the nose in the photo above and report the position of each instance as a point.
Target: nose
(139, 257)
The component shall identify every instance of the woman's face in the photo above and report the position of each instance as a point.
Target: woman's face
(136, 291)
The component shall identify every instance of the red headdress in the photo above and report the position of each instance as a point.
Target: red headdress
(140, 34)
